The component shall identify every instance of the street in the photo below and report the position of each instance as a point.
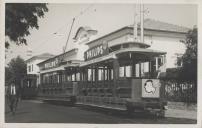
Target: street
(33, 111)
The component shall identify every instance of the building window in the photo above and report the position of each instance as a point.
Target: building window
(178, 60)
(29, 68)
(32, 67)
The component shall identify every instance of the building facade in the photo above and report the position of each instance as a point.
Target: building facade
(33, 69)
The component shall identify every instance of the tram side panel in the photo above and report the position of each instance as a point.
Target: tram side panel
(63, 92)
(147, 95)
(132, 94)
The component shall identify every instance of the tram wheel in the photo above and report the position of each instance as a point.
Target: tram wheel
(130, 110)
(72, 100)
(160, 114)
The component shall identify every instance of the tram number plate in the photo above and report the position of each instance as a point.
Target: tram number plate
(150, 88)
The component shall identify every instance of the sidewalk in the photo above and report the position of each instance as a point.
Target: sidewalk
(188, 114)
(181, 110)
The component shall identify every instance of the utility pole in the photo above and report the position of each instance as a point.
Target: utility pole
(142, 22)
(135, 24)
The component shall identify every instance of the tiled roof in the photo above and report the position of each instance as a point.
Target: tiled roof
(41, 56)
(48, 55)
(151, 24)
(162, 26)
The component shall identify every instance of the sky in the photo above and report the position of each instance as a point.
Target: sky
(105, 18)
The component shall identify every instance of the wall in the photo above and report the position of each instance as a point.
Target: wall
(171, 45)
(159, 40)
(35, 67)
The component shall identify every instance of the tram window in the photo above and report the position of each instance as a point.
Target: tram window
(105, 73)
(78, 76)
(100, 74)
(160, 62)
(125, 71)
(137, 70)
(49, 79)
(68, 78)
(145, 69)
(89, 75)
(54, 78)
(121, 71)
(128, 71)
(93, 74)
(45, 79)
(112, 73)
(82, 76)
(63, 78)
(73, 77)
(58, 77)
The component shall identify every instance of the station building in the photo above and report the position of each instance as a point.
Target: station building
(33, 69)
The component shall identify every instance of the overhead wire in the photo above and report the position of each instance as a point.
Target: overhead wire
(63, 26)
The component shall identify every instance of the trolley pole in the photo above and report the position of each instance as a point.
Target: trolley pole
(68, 35)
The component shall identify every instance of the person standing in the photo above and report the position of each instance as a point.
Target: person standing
(13, 97)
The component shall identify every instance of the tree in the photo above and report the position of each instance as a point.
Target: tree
(188, 70)
(20, 17)
(16, 70)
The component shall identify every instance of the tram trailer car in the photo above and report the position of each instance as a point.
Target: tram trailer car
(124, 77)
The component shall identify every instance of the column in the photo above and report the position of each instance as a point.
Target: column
(115, 75)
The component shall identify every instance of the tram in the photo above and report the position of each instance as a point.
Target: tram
(120, 76)
(124, 77)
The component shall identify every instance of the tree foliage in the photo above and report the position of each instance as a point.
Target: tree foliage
(16, 70)
(189, 59)
(20, 17)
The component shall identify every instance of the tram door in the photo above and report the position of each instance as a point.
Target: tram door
(75, 89)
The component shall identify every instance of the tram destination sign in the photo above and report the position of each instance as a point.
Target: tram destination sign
(96, 51)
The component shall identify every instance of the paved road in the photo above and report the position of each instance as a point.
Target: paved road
(39, 112)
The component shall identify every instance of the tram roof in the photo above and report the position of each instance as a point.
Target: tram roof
(73, 63)
(60, 68)
(57, 56)
(140, 50)
(114, 54)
